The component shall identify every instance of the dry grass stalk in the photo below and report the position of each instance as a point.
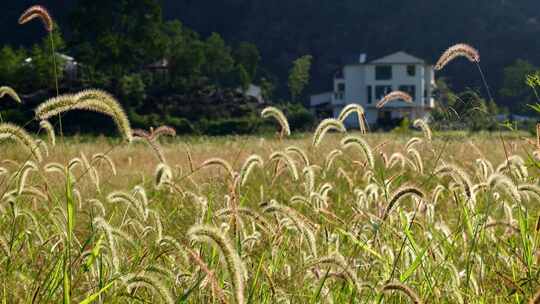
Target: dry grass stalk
(395, 95)
(38, 11)
(458, 50)
(11, 93)
(409, 292)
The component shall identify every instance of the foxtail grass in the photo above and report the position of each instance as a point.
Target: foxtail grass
(409, 292)
(19, 135)
(11, 93)
(48, 127)
(359, 110)
(455, 51)
(423, 125)
(395, 95)
(399, 195)
(88, 100)
(40, 12)
(234, 264)
(278, 115)
(324, 127)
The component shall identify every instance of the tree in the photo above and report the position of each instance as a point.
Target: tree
(36, 73)
(463, 110)
(247, 55)
(515, 88)
(475, 112)
(299, 75)
(533, 81)
(243, 77)
(219, 61)
(444, 94)
(444, 111)
(267, 88)
(186, 54)
(133, 88)
(195, 62)
(39, 71)
(11, 65)
(118, 36)
(53, 66)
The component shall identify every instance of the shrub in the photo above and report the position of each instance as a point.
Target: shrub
(404, 126)
(300, 119)
(181, 125)
(226, 126)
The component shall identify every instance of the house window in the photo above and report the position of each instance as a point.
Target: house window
(339, 95)
(409, 89)
(411, 70)
(383, 72)
(369, 94)
(340, 91)
(381, 91)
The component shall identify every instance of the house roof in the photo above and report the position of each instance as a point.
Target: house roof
(253, 91)
(160, 64)
(398, 57)
(355, 58)
(320, 99)
(64, 57)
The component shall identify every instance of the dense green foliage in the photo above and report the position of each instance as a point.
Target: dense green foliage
(32, 75)
(285, 30)
(162, 71)
(299, 75)
(337, 217)
(288, 222)
(466, 110)
(330, 30)
(128, 36)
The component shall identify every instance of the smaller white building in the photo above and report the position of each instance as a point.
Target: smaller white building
(255, 92)
(366, 82)
(69, 64)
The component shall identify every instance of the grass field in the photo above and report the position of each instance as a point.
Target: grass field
(386, 220)
(328, 217)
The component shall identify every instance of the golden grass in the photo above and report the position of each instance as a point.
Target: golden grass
(336, 232)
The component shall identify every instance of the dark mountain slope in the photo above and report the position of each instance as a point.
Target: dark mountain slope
(502, 30)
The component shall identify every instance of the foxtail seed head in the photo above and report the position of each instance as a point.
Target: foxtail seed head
(395, 95)
(11, 93)
(37, 11)
(278, 115)
(458, 50)
(325, 126)
(413, 296)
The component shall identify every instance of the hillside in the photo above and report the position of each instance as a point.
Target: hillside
(502, 30)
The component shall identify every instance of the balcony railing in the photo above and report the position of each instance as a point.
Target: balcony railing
(395, 104)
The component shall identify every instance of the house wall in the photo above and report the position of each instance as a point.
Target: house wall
(355, 77)
(430, 85)
(371, 115)
(355, 92)
(321, 98)
(358, 77)
(399, 77)
(338, 97)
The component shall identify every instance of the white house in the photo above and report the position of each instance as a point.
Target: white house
(255, 92)
(366, 82)
(70, 65)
